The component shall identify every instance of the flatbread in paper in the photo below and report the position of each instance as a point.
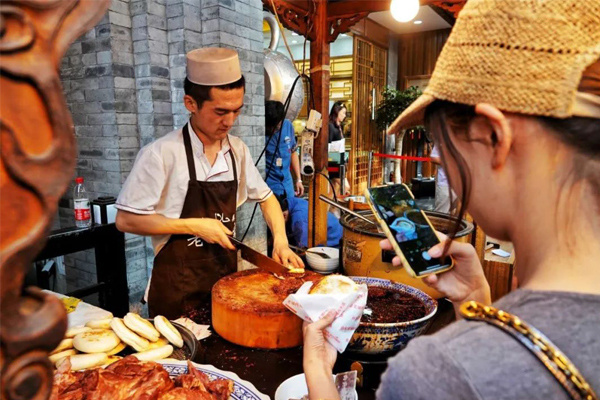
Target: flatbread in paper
(349, 309)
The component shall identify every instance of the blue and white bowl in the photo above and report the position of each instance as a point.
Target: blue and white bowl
(388, 338)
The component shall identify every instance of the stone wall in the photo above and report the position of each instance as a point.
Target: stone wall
(123, 81)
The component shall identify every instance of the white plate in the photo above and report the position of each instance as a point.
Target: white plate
(242, 390)
(295, 388)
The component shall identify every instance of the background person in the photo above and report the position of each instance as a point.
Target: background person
(337, 115)
(284, 175)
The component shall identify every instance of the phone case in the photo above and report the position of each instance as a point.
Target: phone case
(392, 239)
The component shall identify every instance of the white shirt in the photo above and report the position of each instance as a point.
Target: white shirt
(158, 181)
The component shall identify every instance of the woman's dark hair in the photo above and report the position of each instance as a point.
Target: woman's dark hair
(201, 93)
(274, 113)
(443, 117)
(335, 110)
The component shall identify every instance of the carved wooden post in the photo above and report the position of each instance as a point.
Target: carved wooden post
(37, 158)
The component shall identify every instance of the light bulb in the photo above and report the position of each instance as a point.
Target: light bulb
(404, 10)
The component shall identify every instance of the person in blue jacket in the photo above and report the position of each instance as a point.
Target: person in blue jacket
(295, 213)
(281, 153)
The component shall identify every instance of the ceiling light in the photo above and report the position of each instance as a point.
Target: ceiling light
(418, 22)
(294, 41)
(294, 34)
(404, 10)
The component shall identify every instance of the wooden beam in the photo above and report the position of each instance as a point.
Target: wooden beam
(294, 15)
(344, 8)
(445, 14)
(319, 73)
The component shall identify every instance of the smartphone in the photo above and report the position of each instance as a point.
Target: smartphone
(408, 229)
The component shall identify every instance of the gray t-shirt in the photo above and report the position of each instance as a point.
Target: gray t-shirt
(473, 360)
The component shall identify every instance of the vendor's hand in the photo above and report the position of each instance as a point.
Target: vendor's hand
(299, 189)
(284, 255)
(319, 355)
(210, 230)
(464, 282)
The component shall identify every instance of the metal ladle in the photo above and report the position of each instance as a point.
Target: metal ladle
(345, 209)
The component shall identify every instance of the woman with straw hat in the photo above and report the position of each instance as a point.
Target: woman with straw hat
(514, 103)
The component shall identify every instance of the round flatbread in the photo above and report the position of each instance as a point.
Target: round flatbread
(128, 336)
(96, 341)
(65, 344)
(57, 357)
(155, 354)
(120, 347)
(167, 329)
(85, 361)
(334, 284)
(141, 326)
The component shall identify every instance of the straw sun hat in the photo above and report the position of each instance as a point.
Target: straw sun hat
(522, 56)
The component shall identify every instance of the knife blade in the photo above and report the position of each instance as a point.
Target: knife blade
(260, 260)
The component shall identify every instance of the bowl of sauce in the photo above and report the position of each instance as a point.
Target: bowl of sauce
(395, 314)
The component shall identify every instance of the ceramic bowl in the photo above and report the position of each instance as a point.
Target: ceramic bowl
(295, 388)
(320, 264)
(388, 338)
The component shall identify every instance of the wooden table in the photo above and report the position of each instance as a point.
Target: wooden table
(267, 369)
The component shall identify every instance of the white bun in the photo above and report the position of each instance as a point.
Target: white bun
(141, 326)
(72, 332)
(120, 347)
(63, 345)
(334, 284)
(162, 341)
(126, 335)
(96, 341)
(57, 357)
(168, 330)
(99, 323)
(84, 361)
(155, 354)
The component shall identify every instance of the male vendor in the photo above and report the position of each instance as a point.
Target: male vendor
(184, 189)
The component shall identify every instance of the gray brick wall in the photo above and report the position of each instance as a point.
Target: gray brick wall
(123, 82)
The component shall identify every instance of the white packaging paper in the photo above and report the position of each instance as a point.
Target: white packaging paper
(200, 331)
(348, 308)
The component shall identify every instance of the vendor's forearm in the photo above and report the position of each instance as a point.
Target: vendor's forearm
(295, 166)
(274, 217)
(149, 224)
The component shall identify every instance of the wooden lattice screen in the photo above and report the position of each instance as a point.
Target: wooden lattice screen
(370, 70)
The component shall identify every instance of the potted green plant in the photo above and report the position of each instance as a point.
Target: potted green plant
(394, 102)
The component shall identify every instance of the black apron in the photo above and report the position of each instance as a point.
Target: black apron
(186, 268)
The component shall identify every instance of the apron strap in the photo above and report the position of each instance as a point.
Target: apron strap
(188, 153)
(235, 177)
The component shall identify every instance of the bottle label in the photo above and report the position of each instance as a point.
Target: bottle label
(82, 209)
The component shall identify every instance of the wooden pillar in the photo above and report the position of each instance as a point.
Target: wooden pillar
(319, 72)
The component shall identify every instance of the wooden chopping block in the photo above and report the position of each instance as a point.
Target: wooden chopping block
(247, 310)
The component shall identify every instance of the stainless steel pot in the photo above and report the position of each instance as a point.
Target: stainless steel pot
(280, 74)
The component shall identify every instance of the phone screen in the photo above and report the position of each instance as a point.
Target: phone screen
(408, 225)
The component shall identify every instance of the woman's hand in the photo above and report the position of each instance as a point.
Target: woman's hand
(464, 282)
(319, 358)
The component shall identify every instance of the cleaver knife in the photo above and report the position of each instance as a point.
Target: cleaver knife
(259, 259)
